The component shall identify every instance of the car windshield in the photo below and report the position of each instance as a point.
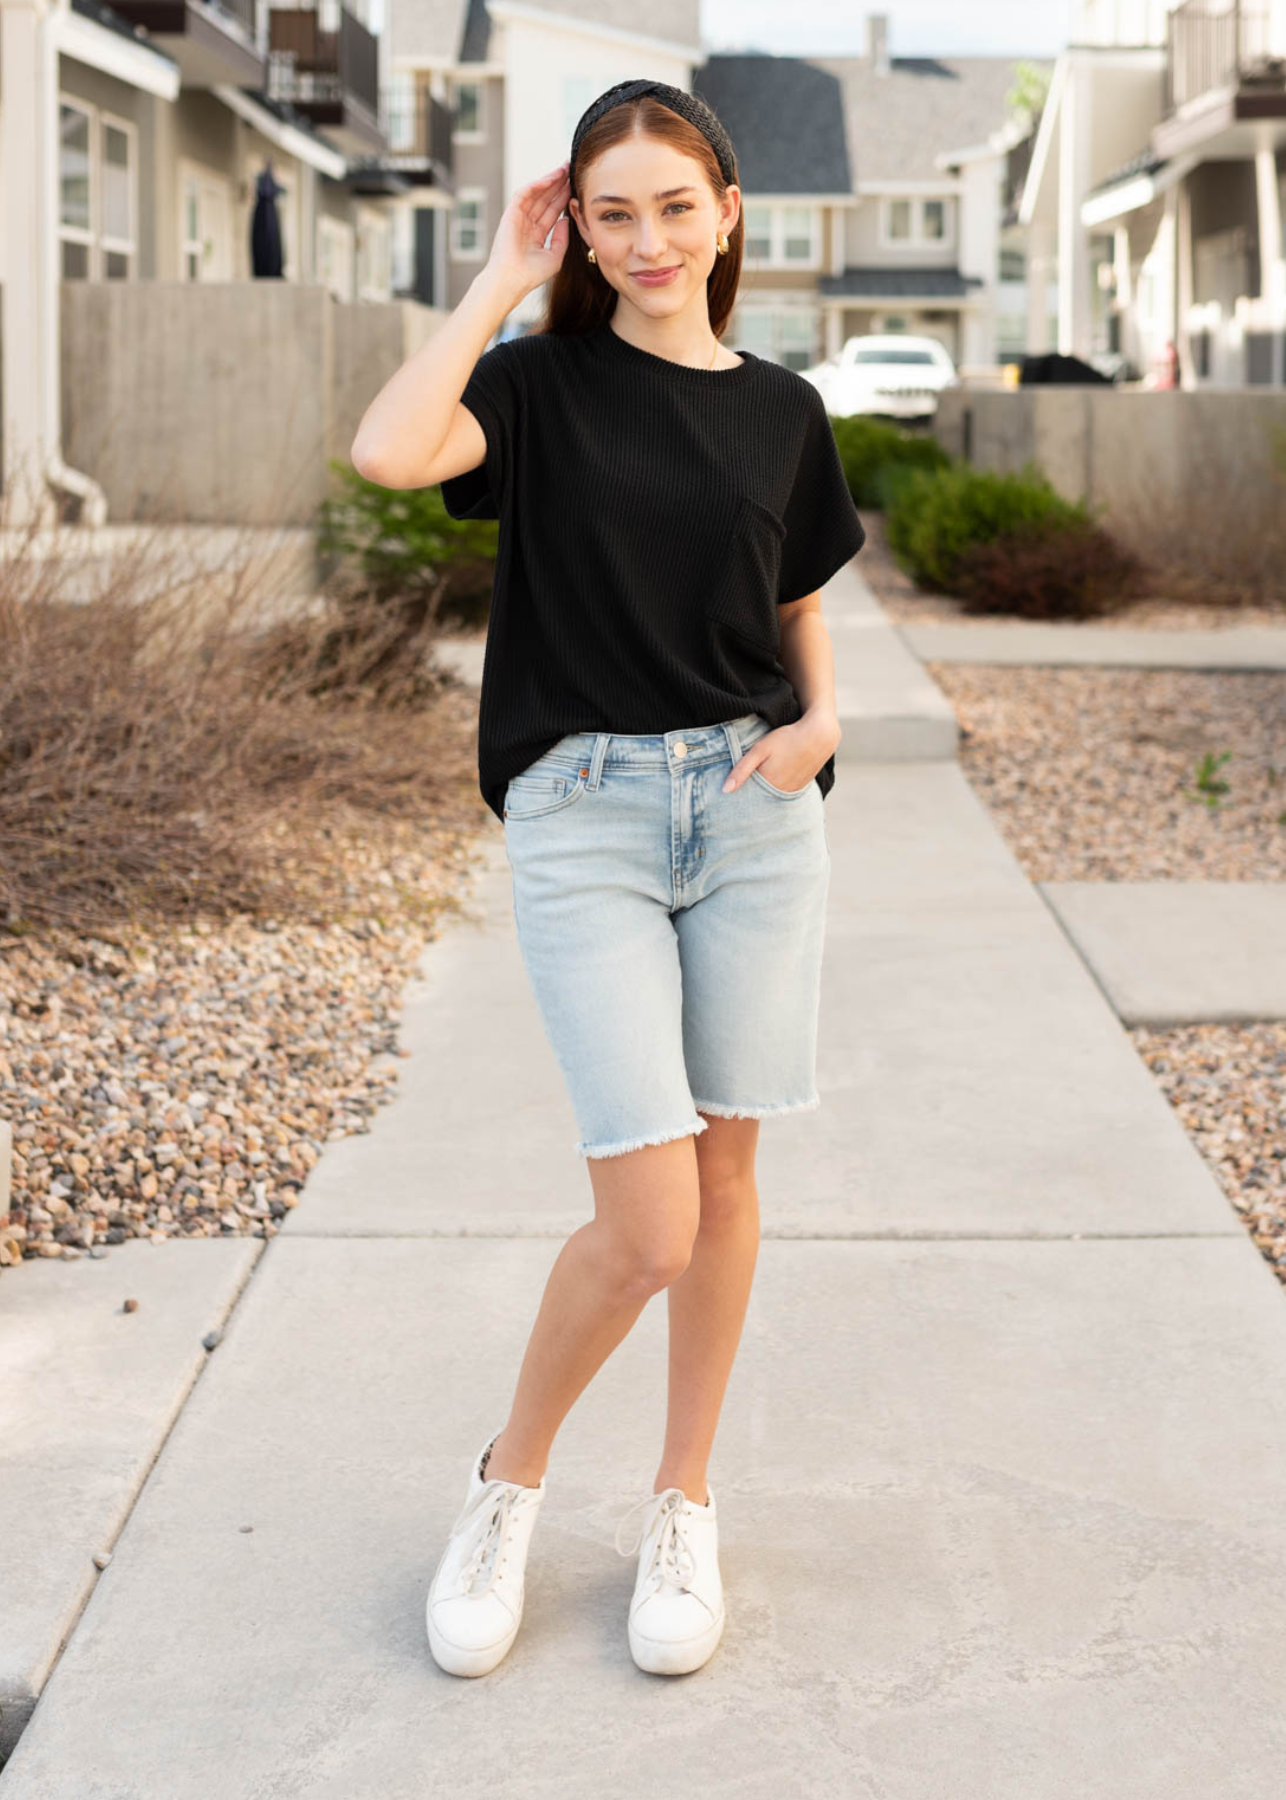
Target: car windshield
(893, 356)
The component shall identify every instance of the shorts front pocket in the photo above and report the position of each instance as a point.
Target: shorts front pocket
(532, 796)
(782, 793)
(745, 594)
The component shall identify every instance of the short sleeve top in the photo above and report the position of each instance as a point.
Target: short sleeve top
(652, 518)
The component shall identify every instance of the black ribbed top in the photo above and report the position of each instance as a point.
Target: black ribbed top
(652, 519)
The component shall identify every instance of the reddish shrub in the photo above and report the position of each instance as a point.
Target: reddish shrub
(1072, 571)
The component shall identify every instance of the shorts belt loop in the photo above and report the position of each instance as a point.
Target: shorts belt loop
(734, 742)
(596, 760)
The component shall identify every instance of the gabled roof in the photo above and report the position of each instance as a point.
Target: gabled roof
(897, 123)
(475, 42)
(785, 117)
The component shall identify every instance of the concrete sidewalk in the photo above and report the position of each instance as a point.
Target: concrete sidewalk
(1001, 1470)
(1076, 644)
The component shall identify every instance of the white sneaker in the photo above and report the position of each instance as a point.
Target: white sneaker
(475, 1601)
(676, 1610)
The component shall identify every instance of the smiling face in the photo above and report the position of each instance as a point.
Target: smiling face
(652, 219)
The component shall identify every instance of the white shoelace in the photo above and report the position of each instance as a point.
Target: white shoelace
(673, 1557)
(491, 1508)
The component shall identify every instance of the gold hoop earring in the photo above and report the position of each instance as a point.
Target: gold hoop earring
(591, 256)
(721, 244)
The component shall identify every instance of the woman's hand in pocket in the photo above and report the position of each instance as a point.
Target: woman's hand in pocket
(788, 756)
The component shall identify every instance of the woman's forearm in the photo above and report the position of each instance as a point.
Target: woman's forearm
(406, 424)
(809, 660)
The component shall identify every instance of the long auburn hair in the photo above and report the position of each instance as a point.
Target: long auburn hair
(577, 296)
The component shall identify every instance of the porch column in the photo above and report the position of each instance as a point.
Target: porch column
(1040, 244)
(1183, 283)
(1272, 270)
(1075, 125)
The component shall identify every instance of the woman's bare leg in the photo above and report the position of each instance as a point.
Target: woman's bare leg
(708, 1301)
(647, 1206)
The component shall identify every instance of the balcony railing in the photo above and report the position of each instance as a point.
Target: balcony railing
(1216, 44)
(309, 65)
(418, 125)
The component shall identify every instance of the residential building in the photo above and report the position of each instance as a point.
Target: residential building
(516, 76)
(1155, 190)
(873, 194)
(872, 185)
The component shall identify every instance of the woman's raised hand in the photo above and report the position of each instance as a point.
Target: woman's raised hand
(518, 253)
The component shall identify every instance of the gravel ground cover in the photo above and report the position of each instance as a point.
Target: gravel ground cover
(1093, 775)
(180, 1080)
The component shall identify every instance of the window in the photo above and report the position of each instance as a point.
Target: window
(468, 225)
(758, 230)
(373, 256)
(97, 201)
(335, 256)
(784, 236)
(913, 220)
(118, 202)
(467, 122)
(784, 334)
(399, 109)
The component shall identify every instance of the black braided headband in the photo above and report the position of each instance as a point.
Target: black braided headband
(688, 106)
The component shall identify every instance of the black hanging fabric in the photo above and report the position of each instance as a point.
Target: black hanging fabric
(265, 226)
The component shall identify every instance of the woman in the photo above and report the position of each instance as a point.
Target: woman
(657, 733)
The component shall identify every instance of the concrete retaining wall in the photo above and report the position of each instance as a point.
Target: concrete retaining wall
(1144, 456)
(220, 402)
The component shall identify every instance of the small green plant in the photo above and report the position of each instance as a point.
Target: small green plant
(1210, 788)
(403, 543)
(873, 452)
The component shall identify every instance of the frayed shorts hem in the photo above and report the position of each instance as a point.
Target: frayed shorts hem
(717, 1109)
(625, 1144)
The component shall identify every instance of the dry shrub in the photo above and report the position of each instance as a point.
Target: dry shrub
(1049, 572)
(170, 745)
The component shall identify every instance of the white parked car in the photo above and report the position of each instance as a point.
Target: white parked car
(895, 375)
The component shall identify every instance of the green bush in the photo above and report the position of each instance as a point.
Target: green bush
(934, 517)
(872, 450)
(401, 546)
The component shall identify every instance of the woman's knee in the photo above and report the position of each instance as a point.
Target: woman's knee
(641, 1263)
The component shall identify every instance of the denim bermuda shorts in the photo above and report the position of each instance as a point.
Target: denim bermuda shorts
(672, 933)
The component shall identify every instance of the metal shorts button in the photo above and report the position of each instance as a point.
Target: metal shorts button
(680, 749)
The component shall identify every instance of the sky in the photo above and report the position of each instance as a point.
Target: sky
(916, 27)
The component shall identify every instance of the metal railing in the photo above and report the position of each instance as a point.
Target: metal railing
(418, 125)
(308, 63)
(1214, 44)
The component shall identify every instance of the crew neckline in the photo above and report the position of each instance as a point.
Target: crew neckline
(625, 351)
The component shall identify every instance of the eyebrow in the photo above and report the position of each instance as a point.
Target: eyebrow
(623, 199)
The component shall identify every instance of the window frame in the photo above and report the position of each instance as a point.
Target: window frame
(776, 257)
(774, 311)
(915, 238)
(478, 254)
(91, 238)
(469, 134)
